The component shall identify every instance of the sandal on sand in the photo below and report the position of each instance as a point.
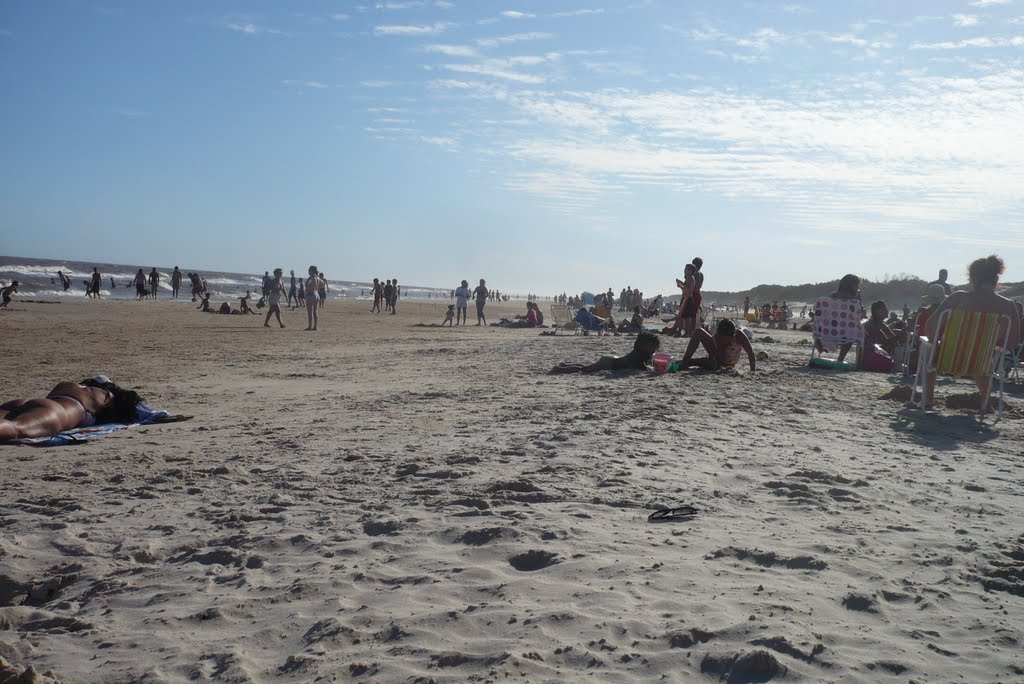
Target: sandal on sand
(666, 514)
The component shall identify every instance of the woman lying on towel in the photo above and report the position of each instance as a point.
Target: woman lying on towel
(69, 405)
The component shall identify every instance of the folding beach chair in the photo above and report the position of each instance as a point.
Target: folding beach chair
(967, 344)
(562, 319)
(837, 322)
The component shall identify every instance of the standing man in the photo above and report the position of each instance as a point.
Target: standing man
(175, 282)
(388, 291)
(395, 293)
(154, 282)
(943, 275)
(65, 281)
(480, 294)
(266, 283)
(378, 292)
(96, 278)
(291, 292)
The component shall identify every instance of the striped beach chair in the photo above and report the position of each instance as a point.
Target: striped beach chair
(968, 344)
(837, 322)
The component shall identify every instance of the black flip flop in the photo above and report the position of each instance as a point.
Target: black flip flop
(667, 514)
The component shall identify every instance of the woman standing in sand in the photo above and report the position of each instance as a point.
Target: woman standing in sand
(274, 292)
(461, 300)
(313, 285)
(481, 294)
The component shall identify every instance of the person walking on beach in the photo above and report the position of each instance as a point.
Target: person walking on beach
(480, 294)
(175, 282)
(139, 281)
(154, 282)
(322, 292)
(395, 292)
(95, 282)
(292, 301)
(300, 298)
(378, 292)
(274, 298)
(388, 289)
(461, 295)
(65, 281)
(313, 284)
(6, 293)
(265, 287)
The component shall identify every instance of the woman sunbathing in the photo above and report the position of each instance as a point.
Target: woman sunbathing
(69, 405)
(644, 348)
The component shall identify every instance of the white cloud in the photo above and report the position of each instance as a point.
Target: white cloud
(251, 29)
(577, 13)
(341, 16)
(979, 42)
(316, 85)
(988, 3)
(965, 20)
(514, 38)
(444, 4)
(513, 14)
(398, 30)
(452, 50)
(495, 71)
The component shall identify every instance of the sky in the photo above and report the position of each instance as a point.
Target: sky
(546, 146)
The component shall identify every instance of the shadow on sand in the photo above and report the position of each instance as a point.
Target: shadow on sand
(940, 431)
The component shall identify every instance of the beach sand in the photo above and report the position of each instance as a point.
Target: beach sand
(382, 502)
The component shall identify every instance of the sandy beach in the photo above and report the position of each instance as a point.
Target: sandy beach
(383, 502)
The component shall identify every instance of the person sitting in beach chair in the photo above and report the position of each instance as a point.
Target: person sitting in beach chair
(590, 321)
(644, 348)
(67, 406)
(724, 348)
(880, 341)
(994, 326)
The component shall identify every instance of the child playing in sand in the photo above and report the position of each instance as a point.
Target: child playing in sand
(449, 316)
(724, 348)
(7, 292)
(644, 348)
(205, 306)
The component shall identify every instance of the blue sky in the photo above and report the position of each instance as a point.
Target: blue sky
(546, 146)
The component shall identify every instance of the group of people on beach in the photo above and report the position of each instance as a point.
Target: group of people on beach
(386, 293)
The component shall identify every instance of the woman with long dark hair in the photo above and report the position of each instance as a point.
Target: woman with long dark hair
(69, 405)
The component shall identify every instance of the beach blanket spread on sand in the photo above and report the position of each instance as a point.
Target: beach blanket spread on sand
(145, 414)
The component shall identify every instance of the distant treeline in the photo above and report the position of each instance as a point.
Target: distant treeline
(895, 291)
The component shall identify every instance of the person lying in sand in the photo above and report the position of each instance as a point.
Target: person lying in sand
(723, 348)
(644, 347)
(69, 405)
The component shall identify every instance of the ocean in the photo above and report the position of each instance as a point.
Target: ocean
(37, 278)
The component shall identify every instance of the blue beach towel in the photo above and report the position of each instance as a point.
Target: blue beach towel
(144, 414)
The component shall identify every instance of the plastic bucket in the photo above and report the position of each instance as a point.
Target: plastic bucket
(661, 362)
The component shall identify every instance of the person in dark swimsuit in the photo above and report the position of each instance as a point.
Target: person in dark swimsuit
(69, 405)
(644, 349)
